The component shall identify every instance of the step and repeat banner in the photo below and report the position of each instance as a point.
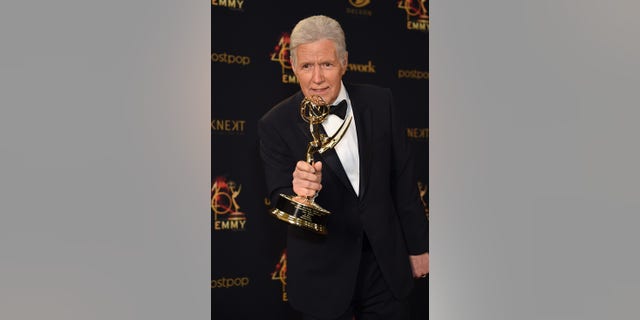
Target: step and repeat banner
(387, 42)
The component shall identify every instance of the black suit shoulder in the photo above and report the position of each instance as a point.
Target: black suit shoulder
(370, 95)
(363, 88)
(283, 110)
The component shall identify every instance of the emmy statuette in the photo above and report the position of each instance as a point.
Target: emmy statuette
(303, 211)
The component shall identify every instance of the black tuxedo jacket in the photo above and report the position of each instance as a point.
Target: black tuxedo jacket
(322, 270)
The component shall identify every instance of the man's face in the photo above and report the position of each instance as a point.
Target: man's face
(318, 69)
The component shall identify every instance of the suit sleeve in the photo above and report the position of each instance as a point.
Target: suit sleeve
(405, 188)
(277, 159)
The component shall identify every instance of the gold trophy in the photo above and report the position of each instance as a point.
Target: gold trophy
(303, 211)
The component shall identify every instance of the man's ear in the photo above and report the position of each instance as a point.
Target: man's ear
(345, 62)
(293, 67)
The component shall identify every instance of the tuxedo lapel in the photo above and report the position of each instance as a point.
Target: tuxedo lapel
(330, 159)
(362, 113)
(363, 121)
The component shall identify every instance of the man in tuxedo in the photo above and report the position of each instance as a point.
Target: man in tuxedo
(377, 240)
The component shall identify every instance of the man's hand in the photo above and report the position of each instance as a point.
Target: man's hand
(420, 265)
(307, 178)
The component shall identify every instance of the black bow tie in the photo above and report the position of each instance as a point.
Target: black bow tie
(340, 109)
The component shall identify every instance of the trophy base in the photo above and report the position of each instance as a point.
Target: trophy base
(301, 212)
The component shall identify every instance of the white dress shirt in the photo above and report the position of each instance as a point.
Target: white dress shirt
(347, 148)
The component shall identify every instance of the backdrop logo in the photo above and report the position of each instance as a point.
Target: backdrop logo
(227, 58)
(226, 283)
(281, 55)
(418, 133)
(413, 74)
(359, 3)
(358, 7)
(226, 126)
(368, 67)
(225, 208)
(280, 273)
(417, 14)
(231, 4)
(423, 189)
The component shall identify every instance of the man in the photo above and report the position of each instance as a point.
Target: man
(377, 230)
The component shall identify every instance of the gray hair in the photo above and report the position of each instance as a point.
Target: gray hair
(316, 28)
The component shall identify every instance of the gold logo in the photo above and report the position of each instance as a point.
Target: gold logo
(225, 283)
(359, 3)
(422, 188)
(225, 208)
(413, 74)
(280, 273)
(281, 55)
(223, 57)
(226, 126)
(369, 67)
(418, 133)
(231, 4)
(358, 7)
(417, 14)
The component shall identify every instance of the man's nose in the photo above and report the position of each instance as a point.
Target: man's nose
(318, 75)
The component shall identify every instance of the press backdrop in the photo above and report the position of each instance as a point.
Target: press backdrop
(388, 46)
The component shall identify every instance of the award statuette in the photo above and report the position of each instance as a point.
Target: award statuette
(303, 211)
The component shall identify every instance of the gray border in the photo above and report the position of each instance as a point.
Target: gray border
(534, 160)
(104, 135)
